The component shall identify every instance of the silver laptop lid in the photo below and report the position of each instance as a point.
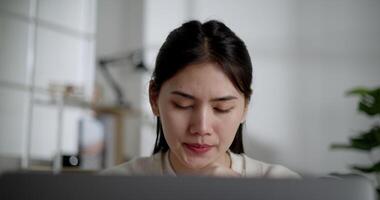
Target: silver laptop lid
(78, 186)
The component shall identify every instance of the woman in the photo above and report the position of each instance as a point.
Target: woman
(200, 92)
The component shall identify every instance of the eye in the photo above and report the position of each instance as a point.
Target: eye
(220, 110)
(183, 107)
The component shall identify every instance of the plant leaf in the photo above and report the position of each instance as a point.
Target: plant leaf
(358, 91)
(366, 141)
(369, 100)
(370, 169)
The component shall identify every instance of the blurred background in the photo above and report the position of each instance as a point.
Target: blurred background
(74, 77)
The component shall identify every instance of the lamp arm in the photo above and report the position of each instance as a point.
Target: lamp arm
(115, 87)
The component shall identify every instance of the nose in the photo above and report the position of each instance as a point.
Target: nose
(201, 122)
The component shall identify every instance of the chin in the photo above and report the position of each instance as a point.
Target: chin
(197, 163)
(196, 166)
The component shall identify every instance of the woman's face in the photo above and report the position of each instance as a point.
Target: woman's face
(200, 111)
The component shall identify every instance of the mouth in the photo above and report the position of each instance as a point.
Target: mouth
(198, 148)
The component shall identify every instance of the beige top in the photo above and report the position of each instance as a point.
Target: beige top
(158, 164)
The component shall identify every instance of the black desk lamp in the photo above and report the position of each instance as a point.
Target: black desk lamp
(135, 57)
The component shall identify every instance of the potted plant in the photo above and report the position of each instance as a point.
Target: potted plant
(368, 140)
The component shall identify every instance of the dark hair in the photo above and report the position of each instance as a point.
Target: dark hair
(194, 42)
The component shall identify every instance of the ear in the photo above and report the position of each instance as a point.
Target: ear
(153, 98)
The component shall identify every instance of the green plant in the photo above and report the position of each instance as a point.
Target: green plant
(366, 141)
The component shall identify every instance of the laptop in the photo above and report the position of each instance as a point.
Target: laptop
(41, 186)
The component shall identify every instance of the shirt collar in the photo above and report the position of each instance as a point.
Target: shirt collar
(237, 164)
(167, 167)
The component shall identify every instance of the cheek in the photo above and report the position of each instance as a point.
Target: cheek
(173, 123)
(227, 132)
(227, 127)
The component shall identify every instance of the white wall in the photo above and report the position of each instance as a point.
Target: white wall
(305, 54)
(13, 67)
(43, 42)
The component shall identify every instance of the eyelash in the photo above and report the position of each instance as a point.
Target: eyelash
(182, 107)
(216, 109)
(223, 111)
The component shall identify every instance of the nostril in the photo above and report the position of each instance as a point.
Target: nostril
(200, 130)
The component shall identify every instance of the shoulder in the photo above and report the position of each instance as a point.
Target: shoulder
(259, 169)
(151, 165)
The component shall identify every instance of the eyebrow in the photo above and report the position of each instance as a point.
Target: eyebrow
(188, 96)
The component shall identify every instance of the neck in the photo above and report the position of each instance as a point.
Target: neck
(181, 169)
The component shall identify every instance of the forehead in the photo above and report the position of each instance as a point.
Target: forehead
(204, 80)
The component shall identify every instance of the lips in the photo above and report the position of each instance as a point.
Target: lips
(198, 148)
